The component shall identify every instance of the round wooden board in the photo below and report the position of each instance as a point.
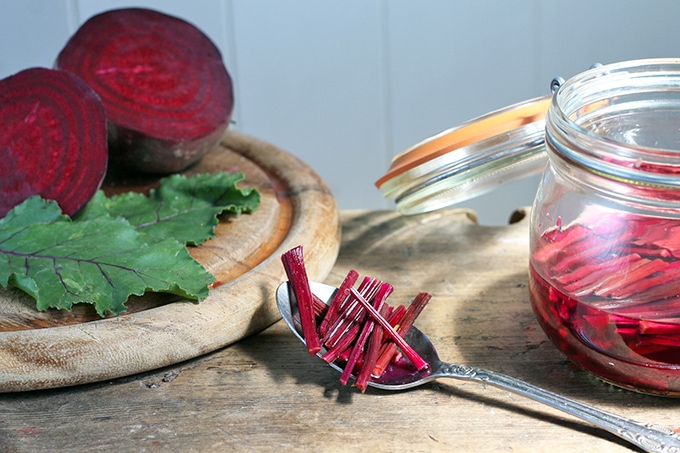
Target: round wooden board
(40, 350)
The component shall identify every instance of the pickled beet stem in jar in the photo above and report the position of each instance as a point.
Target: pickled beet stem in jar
(604, 272)
(604, 265)
(612, 301)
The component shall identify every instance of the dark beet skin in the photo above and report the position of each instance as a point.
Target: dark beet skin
(167, 93)
(52, 139)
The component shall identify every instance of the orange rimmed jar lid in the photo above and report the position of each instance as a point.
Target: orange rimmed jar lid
(469, 160)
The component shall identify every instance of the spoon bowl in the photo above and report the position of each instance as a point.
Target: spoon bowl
(648, 437)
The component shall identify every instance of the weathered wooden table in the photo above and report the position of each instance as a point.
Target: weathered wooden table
(266, 393)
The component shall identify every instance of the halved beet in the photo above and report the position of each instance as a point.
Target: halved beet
(167, 92)
(52, 139)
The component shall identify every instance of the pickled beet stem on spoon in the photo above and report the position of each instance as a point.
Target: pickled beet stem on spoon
(366, 331)
(294, 264)
(357, 329)
(399, 341)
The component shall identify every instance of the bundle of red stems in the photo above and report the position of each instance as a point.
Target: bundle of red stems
(615, 256)
(357, 330)
(617, 270)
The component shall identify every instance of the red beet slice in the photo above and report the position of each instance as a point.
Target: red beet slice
(167, 92)
(52, 139)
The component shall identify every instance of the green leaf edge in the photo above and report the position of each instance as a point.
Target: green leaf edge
(29, 286)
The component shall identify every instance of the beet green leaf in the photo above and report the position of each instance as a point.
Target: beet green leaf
(182, 208)
(120, 246)
(100, 261)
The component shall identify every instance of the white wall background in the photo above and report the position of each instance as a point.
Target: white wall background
(347, 84)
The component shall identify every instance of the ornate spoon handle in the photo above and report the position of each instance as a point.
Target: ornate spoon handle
(648, 437)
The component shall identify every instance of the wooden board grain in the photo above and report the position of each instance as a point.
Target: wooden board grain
(59, 348)
(265, 393)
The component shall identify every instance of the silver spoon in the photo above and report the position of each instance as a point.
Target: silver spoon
(648, 437)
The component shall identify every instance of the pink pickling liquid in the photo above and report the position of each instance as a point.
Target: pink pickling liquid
(619, 316)
(636, 352)
(400, 371)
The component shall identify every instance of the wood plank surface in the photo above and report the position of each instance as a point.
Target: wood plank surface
(265, 393)
(57, 348)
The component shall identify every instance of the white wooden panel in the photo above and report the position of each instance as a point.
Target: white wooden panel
(452, 61)
(574, 35)
(346, 85)
(311, 81)
(31, 33)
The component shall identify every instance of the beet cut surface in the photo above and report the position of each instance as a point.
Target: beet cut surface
(52, 139)
(167, 92)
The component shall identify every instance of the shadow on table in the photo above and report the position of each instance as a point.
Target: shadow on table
(565, 421)
(286, 358)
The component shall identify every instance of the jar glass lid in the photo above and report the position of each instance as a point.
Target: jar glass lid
(469, 160)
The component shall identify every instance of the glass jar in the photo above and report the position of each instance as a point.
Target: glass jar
(604, 271)
(604, 265)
